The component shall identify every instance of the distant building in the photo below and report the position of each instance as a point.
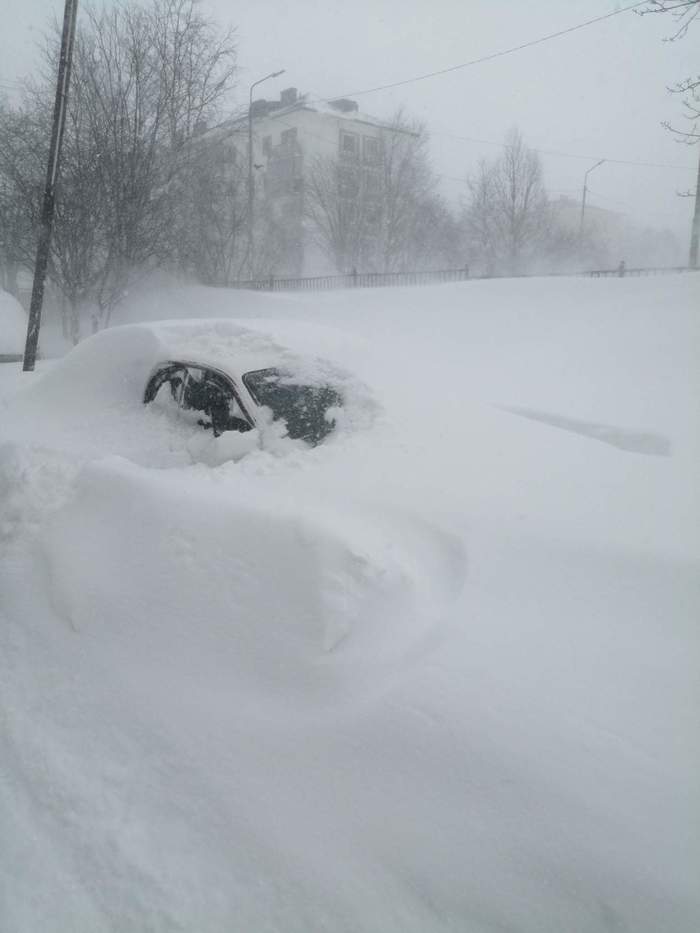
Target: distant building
(568, 212)
(289, 135)
(612, 236)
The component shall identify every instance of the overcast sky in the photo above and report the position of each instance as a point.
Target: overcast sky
(599, 92)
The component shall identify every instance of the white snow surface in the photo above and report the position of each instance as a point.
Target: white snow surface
(438, 673)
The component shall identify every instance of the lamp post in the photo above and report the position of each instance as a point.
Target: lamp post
(583, 200)
(695, 230)
(275, 74)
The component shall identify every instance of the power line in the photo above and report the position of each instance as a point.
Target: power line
(463, 180)
(485, 58)
(490, 57)
(630, 208)
(550, 152)
(565, 155)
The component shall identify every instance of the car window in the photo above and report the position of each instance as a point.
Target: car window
(165, 386)
(306, 409)
(209, 400)
(199, 396)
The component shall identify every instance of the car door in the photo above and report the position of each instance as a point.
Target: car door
(209, 399)
(165, 385)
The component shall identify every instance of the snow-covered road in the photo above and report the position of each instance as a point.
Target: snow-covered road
(439, 674)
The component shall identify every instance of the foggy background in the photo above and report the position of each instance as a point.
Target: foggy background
(599, 92)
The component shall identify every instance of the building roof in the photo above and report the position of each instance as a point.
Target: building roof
(288, 104)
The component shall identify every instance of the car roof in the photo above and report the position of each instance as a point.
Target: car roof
(234, 350)
(219, 345)
(236, 372)
(116, 363)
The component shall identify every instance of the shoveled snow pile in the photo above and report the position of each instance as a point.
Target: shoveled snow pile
(13, 326)
(439, 673)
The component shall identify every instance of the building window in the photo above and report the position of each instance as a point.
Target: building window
(348, 145)
(289, 137)
(348, 182)
(373, 182)
(371, 148)
(267, 145)
(284, 175)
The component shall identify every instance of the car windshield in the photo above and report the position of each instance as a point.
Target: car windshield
(306, 409)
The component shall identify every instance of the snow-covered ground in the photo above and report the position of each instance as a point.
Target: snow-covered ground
(439, 673)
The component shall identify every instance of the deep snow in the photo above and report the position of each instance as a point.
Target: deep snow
(438, 674)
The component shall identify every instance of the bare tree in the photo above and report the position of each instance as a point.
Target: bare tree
(20, 193)
(339, 209)
(507, 218)
(684, 13)
(436, 239)
(378, 210)
(208, 234)
(407, 186)
(146, 78)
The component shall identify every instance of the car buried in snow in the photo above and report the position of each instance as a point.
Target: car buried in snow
(174, 392)
(226, 400)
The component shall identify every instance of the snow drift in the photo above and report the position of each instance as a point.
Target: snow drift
(439, 675)
(242, 587)
(90, 403)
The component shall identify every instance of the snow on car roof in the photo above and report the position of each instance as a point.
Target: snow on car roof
(112, 367)
(92, 398)
(230, 347)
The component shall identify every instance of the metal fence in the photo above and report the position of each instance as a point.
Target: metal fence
(384, 279)
(624, 271)
(354, 280)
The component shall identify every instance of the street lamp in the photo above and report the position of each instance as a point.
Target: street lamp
(695, 229)
(583, 200)
(275, 74)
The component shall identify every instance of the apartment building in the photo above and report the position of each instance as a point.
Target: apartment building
(290, 135)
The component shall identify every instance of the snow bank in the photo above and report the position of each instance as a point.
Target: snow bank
(440, 675)
(597, 350)
(103, 372)
(242, 585)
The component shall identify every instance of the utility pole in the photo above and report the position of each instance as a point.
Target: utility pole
(251, 186)
(583, 199)
(47, 208)
(695, 229)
